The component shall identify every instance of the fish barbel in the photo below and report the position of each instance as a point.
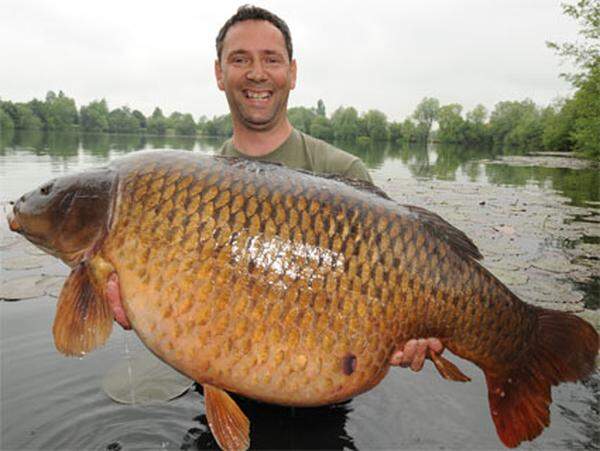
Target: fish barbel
(288, 287)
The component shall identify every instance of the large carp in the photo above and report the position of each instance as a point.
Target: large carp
(288, 287)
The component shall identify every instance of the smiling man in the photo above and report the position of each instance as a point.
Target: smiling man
(256, 70)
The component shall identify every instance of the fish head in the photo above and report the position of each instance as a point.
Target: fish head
(66, 216)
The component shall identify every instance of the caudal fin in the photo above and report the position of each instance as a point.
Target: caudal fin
(563, 349)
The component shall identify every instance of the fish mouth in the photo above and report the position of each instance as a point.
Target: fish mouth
(13, 224)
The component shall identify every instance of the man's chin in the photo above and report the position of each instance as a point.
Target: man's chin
(259, 124)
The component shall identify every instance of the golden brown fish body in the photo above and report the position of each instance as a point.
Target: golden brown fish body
(297, 289)
(287, 291)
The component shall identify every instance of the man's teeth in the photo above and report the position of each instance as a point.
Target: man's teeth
(257, 95)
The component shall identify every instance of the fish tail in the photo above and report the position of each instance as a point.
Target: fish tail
(563, 349)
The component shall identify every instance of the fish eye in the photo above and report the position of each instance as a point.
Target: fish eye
(45, 190)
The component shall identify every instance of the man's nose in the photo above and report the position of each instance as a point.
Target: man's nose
(257, 72)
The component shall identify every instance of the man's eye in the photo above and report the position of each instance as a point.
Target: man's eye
(239, 60)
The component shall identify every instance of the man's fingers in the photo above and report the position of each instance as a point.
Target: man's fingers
(113, 294)
(435, 345)
(420, 354)
(408, 354)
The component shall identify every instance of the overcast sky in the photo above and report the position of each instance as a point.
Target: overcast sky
(386, 55)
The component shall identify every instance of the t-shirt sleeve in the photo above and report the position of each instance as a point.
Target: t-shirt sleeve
(358, 170)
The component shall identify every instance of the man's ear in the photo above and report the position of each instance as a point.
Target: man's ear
(293, 69)
(219, 75)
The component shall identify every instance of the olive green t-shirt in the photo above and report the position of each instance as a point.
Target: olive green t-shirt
(302, 151)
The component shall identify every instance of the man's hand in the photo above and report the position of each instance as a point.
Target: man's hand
(113, 293)
(415, 351)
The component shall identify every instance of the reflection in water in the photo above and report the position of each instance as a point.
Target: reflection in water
(587, 418)
(580, 185)
(438, 161)
(279, 427)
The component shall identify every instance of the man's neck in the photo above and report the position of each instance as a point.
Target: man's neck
(259, 143)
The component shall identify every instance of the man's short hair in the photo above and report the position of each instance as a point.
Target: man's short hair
(250, 12)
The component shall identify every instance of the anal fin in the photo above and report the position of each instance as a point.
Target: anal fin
(447, 369)
(227, 422)
(83, 318)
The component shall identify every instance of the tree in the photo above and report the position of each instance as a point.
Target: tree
(25, 119)
(122, 120)
(320, 127)
(475, 129)
(409, 130)
(301, 117)
(451, 124)
(157, 123)
(585, 53)
(559, 125)
(6, 122)
(425, 113)
(94, 116)
(395, 132)
(586, 104)
(321, 108)
(140, 118)
(184, 125)
(345, 123)
(376, 125)
(62, 111)
(506, 117)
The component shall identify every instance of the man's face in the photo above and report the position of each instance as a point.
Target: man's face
(256, 74)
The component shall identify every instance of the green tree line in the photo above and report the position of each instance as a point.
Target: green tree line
(569, 124)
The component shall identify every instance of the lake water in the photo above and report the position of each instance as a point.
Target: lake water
(535, 218)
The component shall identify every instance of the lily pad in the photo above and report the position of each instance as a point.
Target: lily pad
(52, 285)
(511, 278)
(553, 263)
(144, 379)
(24, 262)
(25, 287)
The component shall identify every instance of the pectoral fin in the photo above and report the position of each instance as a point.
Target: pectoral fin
(83, 317)
(229, 425)
(447, 369)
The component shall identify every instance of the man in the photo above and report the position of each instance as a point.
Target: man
(256, 70)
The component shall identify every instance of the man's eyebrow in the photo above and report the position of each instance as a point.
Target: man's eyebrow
(245, 52)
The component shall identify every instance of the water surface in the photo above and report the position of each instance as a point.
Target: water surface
(538, 228)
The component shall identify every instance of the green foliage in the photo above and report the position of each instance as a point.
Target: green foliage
(122, 120)
(558, 126)
(301, 117)
(94, 116)
(425, 114)
(320, 127)
(375, 123)
(157, 123)
(585, 52)
(218, 126)
(345, 123)
(321, 108)
(395, 132)
(6, 122)
(451, 124)
(61, 112)
(586, 104)
(182, 124)
(409, 131)
(25, 119)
